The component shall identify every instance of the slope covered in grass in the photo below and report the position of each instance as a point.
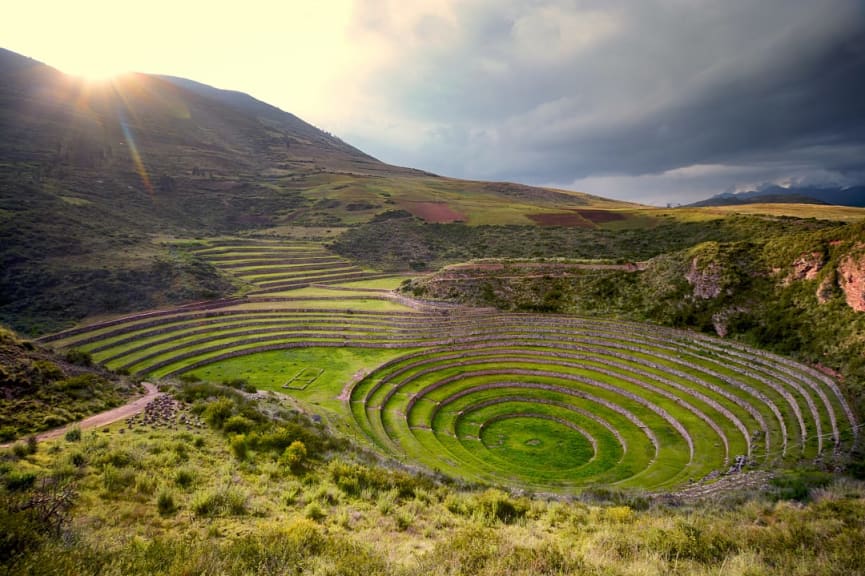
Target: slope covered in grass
(40, 390)
(233, 493)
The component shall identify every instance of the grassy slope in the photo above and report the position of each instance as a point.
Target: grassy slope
(156, 500)
(40, 390)
(92, 174)
(402, 243)
(754, 303)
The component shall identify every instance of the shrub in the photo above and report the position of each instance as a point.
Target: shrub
(19, 481)
(8, 433)
(224, 502)
(238, 425)
(237, 384)
(291, 493)
(184, 477)
(239, 446)
(798, 484)
(494, 505)
(20, 450)
(689, 540)
(294, 456)
(73, 434)
(404, 520)
(386, 502)
(313, 511)
(218, 411)
(115, 480)
(145, 484)
(79, 357)
(77, 459)
(54, 420)
(165, 503)
(119, 458)
(457, 504)
(619, 514)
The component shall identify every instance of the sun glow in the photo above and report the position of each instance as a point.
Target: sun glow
(95, 71)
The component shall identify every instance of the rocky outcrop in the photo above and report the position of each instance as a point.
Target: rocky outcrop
(720, 320)
(851, 278)
(806, 267)
(706, 281)
(826, 290)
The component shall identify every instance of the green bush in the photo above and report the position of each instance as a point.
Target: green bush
(145, 484)
(184, 477)
(798, 484)
(313, 511)
(354, 479)
(294, 456)
(73, 434)
(218, 411)
(165, 503)
(19, 481)
(20, 450)
(115, 480)
(237, 425)
(494, 505)
(119, 458)
(226, 501)
(77, 459)
(79, 357)
(239, 446)
(692, 540)
(8, 433)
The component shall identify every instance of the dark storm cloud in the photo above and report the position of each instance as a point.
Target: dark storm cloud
(560, 92)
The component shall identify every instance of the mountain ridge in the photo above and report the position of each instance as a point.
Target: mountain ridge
(839, 196)
(94, 176)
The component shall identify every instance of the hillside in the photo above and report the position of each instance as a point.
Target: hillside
(40, 390)
(847, 196)
(798, 293)
(94, 177)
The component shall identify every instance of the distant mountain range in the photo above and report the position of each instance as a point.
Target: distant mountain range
(850, 196)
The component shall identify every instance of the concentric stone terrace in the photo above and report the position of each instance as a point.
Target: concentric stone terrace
(558, 403)
(543, 402)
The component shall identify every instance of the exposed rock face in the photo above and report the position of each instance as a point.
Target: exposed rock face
(706, 282)
(720, 320)
(806, 267)
(825, 291)
(851, 277)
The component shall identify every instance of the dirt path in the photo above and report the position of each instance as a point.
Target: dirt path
(104, 418)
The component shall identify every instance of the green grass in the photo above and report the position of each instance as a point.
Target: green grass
(156, 500)
(270, 370)
(389, 283)
(700, 404)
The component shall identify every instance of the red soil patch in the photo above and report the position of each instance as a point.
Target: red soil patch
(561, 219)
(581, 218)
(600, 216)
(437, 212)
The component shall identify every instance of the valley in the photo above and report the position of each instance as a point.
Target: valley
(353, 367)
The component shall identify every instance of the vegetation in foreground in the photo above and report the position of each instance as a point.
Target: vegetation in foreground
(40, 391)
(249, 484)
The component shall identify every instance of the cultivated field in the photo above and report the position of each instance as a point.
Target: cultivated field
(542, 402)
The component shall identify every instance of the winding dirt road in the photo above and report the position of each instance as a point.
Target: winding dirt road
(104, 418)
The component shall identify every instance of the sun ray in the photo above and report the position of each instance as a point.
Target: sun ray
(133, 151)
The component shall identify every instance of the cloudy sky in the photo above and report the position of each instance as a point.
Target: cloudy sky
(649, 100)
